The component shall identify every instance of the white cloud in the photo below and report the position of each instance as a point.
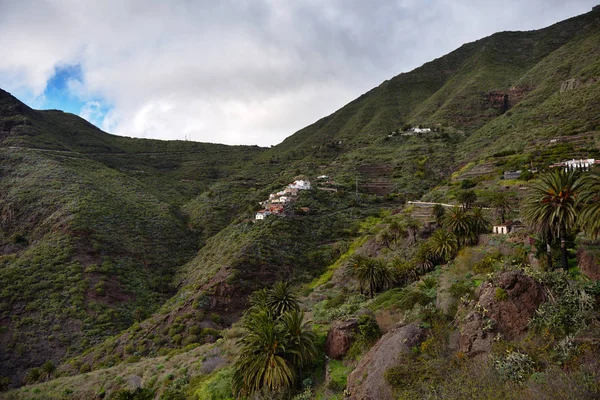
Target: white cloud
(238, 71)
(91, 111)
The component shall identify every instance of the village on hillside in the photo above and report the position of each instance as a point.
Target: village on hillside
(277, 202)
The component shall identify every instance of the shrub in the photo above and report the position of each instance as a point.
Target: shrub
(515, 366)
(500, 294)
(217, 386)
(190, 339)
(85, 368)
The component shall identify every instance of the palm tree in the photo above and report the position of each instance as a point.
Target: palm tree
(281, 299)
(589, 219)
(375, 273)
(355, 268)
(479, 223)
(272, 352)
(443, 245)
(458, 221)
(438, 211)
(263, 362)
(502, 205)
(301, 340)
(424, 257)
(467, 198)
(551, 207)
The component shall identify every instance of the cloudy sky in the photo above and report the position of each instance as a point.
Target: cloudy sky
(235, 72)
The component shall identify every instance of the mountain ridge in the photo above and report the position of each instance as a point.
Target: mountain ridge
(130, 231)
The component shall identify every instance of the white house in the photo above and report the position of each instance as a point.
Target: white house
(262, 214)
(300, 184)
(421, 130)
(502, 229)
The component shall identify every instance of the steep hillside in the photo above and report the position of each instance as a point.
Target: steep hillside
(151, 243)
(91, 230)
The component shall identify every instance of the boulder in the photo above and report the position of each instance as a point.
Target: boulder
(367, 381)
(340, 337)
(504, 307)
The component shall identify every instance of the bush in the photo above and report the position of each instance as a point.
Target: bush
(217, 386)
(515, 366)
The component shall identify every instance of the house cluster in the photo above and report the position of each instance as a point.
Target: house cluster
(275, 204)
(410, 132)
(583, 164)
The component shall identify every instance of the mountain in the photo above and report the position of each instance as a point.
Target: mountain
(115, 248)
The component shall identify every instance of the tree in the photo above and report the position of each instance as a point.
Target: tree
(301, 340)
(47, 370)
(262, 361)
(354, 268)
(438, 213)
(458, 221)
(424, 257)
(282, 299)
(467, 198)
(479, 224)
(550, 208)
(502, 204)
(443, 245)
(589, 218)
(276, 345)
(374, 273)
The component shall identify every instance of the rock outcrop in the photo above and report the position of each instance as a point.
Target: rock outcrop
(367, 381)
(504, 307)
(588, 263)
(340, 337)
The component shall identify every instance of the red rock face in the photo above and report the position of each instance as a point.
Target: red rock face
(367, 381)
(503, 308)
(505, 100)
(340, 337)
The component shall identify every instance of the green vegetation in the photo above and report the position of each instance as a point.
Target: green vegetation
(276, 345)
(127, 257)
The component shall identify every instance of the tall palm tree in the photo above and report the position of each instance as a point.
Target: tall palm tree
(424, 257)
(374, 273)
(301, 340)
(551, 207)
(282, 298)
(355, 268)
(502, 205)
(467, 198)
(479, 222)
(458, 221)
(438, 211)
(263, 362)
(443, 245)
(272, 351)
(589, 219)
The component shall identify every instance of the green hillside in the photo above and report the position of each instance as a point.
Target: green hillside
(117, 249)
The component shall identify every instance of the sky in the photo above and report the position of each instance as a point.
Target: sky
(236, 72)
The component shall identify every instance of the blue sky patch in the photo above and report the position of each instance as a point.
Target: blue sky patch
(57, 95)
